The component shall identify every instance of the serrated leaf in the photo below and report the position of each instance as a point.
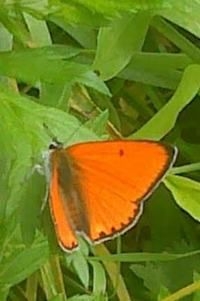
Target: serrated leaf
(51, 66)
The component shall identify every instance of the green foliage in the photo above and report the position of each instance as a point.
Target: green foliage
(186, 192)
(92, 70)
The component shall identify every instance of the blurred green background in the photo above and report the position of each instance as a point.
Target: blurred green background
(99, 70)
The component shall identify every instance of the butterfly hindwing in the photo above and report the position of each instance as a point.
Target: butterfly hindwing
(59, 208)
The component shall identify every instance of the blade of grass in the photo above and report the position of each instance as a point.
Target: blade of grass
(113, 272)
(188, 290)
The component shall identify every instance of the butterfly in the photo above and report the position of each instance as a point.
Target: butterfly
(97, 189)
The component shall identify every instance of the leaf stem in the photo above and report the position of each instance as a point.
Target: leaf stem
(185, 168)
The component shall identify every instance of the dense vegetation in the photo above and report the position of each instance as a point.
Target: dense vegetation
(92, 70)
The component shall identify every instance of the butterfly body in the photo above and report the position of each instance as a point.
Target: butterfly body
(98, 188)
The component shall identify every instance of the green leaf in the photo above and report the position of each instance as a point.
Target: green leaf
(166, 117)
(38, 26)
(30, 209)
(118, 42)
(80, 265)
(84, 35)
(23, 263)
(145, 257)
(99, 123)
(92, 13)
(23, 142)
(59, 297)
(4, 290)
(184, 13)
(56, 95)
(112, 7)
(14, 24)
(83, 298)
(181, 41)
(196, 295)
(99, 278)
(72, 13)
(186, 193)
(156, 69)
(6, 39)
(52, 65)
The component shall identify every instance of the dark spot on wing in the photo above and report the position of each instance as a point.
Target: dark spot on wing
(74, 244)
(121, 152)
(123, 225)
(113, 229)
(102, 234)
(130, 219)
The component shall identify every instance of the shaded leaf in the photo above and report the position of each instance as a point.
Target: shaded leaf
(186, 193)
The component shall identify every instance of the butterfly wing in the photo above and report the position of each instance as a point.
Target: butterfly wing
(115, 177)
(58, 205)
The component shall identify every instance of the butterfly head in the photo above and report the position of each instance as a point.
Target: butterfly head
(55, 144)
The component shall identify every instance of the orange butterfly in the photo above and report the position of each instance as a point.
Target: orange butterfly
(97, 189)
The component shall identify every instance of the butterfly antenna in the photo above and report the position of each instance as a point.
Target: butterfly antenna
(55, 139)
(74, 132)
(50, 134)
